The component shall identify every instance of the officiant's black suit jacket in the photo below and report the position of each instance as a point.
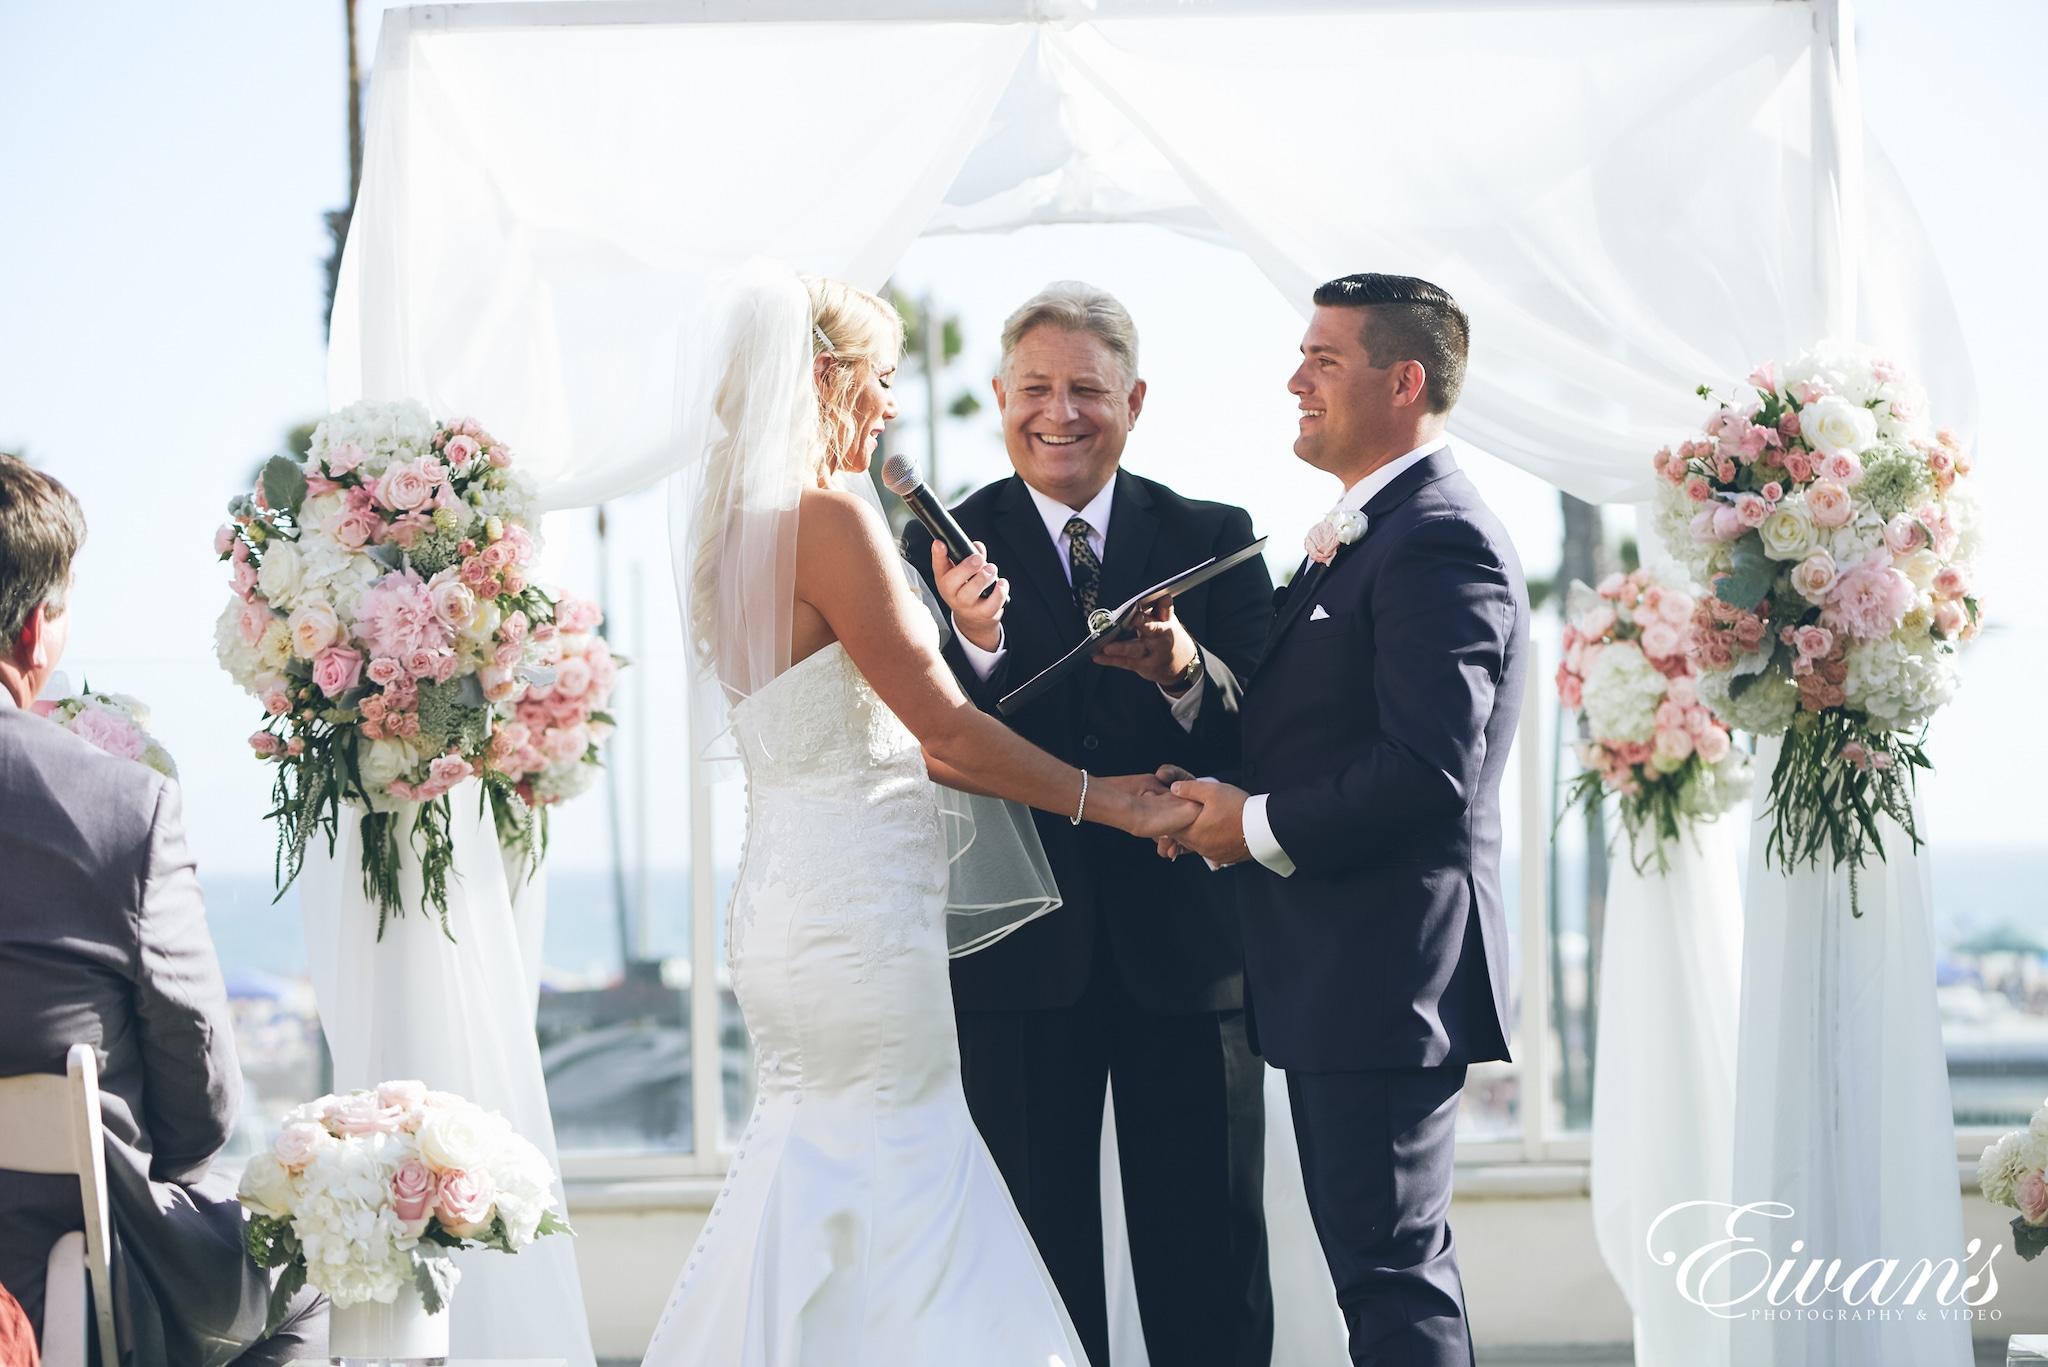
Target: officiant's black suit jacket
(1172, 927)
(1379, 721)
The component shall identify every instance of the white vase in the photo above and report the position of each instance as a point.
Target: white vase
(402, 1331)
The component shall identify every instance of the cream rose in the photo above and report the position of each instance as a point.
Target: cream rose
(383, 762)
(266, 1186)
(1787, 534)
(298, 1143)
(281, 576)
(1835, 426)
(314, 627)
(1814, 576)
(456, 1138)
(1828, 504)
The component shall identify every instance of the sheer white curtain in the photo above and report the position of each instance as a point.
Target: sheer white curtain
(1630, 199)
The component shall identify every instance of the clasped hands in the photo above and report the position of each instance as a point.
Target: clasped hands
(1214, 830)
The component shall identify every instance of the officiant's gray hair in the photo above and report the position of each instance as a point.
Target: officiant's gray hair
(1076, 306)
(41, 529)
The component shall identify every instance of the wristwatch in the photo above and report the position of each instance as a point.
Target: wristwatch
(1188, 677)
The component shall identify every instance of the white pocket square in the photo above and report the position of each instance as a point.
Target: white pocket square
(1316, 614)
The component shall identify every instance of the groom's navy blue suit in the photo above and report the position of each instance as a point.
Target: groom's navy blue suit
(1378, 722)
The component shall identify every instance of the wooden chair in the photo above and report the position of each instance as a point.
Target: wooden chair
(51, 1124)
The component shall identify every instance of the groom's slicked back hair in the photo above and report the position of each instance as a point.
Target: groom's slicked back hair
(1407, 319)
(1076, 306)
(41, 529)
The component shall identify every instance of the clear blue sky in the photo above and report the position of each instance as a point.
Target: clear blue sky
(163, 170)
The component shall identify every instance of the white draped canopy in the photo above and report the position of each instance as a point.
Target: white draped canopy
(1629, 199)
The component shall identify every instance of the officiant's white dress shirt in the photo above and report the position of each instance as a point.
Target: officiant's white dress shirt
(1258, 832)
(1056, 515)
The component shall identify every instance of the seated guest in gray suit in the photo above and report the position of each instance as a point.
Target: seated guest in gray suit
(103, 941)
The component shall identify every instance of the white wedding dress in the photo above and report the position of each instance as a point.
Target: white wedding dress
(863, 1221)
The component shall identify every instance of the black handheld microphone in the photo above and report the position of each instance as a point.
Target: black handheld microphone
(900, 474)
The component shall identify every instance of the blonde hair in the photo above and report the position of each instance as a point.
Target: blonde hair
(1076, 306)
(862, 333)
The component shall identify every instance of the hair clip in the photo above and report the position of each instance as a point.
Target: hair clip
(823, 340)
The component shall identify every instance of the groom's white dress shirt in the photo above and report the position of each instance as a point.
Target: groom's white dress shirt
(1258, 832)
(1056, 515)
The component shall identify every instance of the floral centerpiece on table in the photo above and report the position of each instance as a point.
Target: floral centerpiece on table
(2014, 1172)
(362, 1195)
(1650, 740)
(1838, 537)
(113, 722)
(384, 613)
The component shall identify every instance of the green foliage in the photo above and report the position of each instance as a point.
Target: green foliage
(1895, 479)
(1653, 815)
(299, 439)
(2028, 1240)
(432, 552)
(1820, 802)
(1749, 582)
(445, 715)
(551, 1223)
(434, 1275)
(965, 406)
(274, 1243)
(283, 484)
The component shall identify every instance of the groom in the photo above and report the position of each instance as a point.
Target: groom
(1375, 732)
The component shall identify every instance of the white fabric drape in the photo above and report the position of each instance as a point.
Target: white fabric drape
(1625, 203)
(1664, 1092)
(1842, 1105)
(458, 1015)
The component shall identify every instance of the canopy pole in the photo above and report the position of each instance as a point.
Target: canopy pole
(1837, 167)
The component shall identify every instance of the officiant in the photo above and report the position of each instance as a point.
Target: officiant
(1138, 977)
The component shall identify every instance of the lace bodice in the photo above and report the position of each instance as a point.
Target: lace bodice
(838, 800)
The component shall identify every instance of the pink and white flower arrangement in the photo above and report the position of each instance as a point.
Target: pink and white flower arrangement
(548, 749)
(1837, 535)
(363, 1194)
(384, 614)
(113, 722)
(1649, 740)
(2014, 1172)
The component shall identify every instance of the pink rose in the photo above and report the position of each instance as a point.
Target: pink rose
(565, 744)
(577, 614)
(1773, 491)
(1702, 528)
(2030, 1194)
(1593, 624)
(1661, 640)
(1712, 744)
(1751, 509)
(224, 540)
(500, 456)
(420, 663)
(1798, 467)
(344, 458)
(360, 1114)
(1952, 581)
(385, 670)
(1725, 470)
(263, 743)
(1950, 617)
(405, 1094)
(572, 680)
(1670, 716)
(1842, 467)
(1814, 576)
(1697, 489)
(314, 627)
(461, 449)
(1903, 534)
(454, 601)
(407, 486)
(1673, 743)
(465, 1203)
(242, 579)
(336, 670)
(255, 620)
(1727, 523)
(298, 1142)
(499, 684)
(1698, 721)
(1570, 690)
(1749, 633)
(448, 769)
(412, 1194)
(1828, 504)
(1682, 690)
(1812, 641)
(1716, 653)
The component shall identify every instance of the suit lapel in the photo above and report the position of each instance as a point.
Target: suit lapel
(1426, 471)
(1127, 552)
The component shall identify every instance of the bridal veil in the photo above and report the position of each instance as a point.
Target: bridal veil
(746, 425)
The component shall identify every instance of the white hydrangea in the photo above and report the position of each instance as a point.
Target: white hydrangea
(334, 572)
(1621, 694)
(356, 1250)
(236, 655)
(525, 1188)
(1857, 539)
(1765, 707)
(560, 782)
(381, 431)
(1900, 680)
(513, 499)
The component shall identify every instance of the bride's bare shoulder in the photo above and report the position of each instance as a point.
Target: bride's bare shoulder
(840, 525)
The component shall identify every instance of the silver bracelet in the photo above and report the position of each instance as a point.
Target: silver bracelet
(1084, 798)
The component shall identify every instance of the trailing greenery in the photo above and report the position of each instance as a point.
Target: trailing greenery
(1823, 802)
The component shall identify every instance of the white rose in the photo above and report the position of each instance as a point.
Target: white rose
(281, 574)
(1787, 534)
(266, 1187)
(236, 655)
(382, 762)
(318, 511)
(274, 651)
(1920, 567)
(1835, 426)
(457, 1138)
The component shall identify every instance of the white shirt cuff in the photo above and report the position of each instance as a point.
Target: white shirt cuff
(984, 662)
(1258, 837)
(1186, 707)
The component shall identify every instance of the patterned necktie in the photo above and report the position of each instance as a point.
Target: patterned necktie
(1087, 570)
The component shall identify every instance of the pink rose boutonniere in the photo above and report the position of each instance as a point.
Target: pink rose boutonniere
(1341, 527)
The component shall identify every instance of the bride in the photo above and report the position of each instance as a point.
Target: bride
(862, 1220)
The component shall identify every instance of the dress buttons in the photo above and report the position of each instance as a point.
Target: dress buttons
(1089, 742)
